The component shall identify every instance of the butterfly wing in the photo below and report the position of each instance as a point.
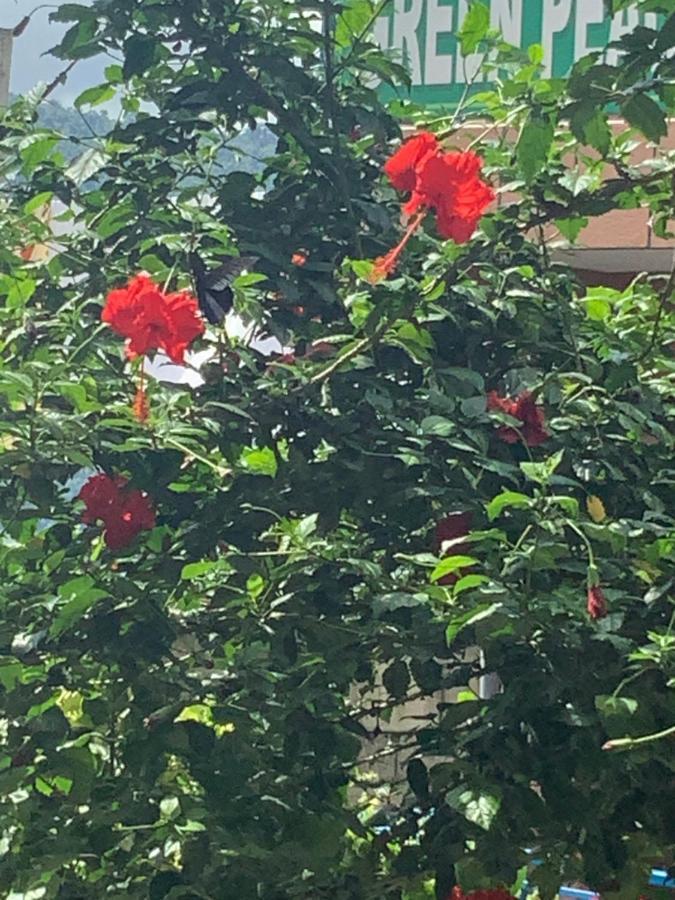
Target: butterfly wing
(214, 288)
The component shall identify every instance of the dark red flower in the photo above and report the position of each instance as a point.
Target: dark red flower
(152, 320)
(524, 408)
(321, 348)
(596, 602)
(487, 894)
(403, 165)
(449, 528)
(451, 184)
(490, 894)
(123, 511)
(99, 495)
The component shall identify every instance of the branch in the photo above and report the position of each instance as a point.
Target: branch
(595, 204)
(663, 303)
(629, 743)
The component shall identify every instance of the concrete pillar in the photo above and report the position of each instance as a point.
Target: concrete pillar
(6, 39)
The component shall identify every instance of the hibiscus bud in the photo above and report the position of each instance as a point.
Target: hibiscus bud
(21, 27)
(596, 508)
(597, 603)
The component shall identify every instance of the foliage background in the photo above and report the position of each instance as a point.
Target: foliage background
(184, 720)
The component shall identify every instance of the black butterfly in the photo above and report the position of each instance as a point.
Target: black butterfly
(214, 287)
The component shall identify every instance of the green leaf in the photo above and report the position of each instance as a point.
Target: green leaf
(169, 808)
(647, 116)
(666, 39)
(467, 583)
(362, 268)
(396, 678)
(95, 95)
(38, 202)
(533, 147)
(590, 125)
(398, 600)
(576, 181)
(354, 19)
(536, 54)
(437, 426)
(81, 595)
(259, 461)
(115, 219)
(615, 706)
(477, 614)
(255, 585)
(418, 777)
(71, 12)
(541, 472)
(505, 500)
(139, 54)
(197, 569)
(598, 308)
(569, 504)
(480, 809)
(474, 28)
(36, 151)
(452, 564)
(571, 228)
(114, 74)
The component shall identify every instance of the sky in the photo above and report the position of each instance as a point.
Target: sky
(31, 62)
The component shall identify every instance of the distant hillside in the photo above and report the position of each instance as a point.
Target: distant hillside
(245, 153)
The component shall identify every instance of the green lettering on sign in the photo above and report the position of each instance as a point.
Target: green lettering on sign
(424, 32)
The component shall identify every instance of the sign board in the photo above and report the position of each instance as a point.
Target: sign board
(423, 31)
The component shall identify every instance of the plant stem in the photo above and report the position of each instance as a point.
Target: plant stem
(629, 743)
(220, 470)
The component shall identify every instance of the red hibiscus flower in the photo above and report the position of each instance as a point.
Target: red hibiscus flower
(123, 511)
(523, 407)
(99, 495)
(450, 183)
(402, 167)
(451, 527)
(596, 602)
(152, 320)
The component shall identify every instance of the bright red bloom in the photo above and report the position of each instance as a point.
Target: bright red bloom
(451, 184)
(451, 527)
(124, 512)
(523, 407)
(152, 320)
(402, 167)
(596, 603)
(299, 258)
(448, 183)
